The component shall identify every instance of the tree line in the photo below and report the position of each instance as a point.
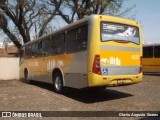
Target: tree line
(19, 17)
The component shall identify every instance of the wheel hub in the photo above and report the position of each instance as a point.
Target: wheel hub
(58, 83)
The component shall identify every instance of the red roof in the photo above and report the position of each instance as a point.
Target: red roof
(8, 52)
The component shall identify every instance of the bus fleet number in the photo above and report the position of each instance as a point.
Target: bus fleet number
(135, 57)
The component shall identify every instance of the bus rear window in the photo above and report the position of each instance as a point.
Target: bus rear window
(115, 31)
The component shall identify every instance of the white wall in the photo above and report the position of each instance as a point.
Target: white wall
(9, 68)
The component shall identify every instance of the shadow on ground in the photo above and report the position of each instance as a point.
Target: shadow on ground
(151, 74)
(93, 96)
(87, 95)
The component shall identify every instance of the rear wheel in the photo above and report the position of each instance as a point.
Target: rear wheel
(58, 82)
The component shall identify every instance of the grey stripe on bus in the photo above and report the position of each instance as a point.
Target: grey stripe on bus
(119, 70)
(119, 48)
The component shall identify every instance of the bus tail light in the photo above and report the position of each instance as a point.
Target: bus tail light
(140, 69)
(96, 65)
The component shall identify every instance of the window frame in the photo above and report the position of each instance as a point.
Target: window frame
(85, 37)
(117, 39)
(156, 51)
(52, 39)
(151, 56)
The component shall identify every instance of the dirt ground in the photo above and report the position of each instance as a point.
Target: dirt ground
(15, 95)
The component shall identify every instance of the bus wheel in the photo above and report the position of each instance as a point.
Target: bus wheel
(26, 76)
(58, 82)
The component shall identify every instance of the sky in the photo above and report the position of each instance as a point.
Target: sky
(148, 14)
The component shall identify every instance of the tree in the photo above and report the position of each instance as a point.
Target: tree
(3, 25)
(24, 15)
(19, 18)
(80, 8)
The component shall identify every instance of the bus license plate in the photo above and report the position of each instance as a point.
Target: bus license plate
(121, 81)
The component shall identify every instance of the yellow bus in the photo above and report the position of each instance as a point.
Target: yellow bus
(96, 51)
(151, 58)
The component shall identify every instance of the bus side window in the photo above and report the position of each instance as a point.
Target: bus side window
(43, 47)
(71, 45)
(36, 50)
(26, 51)
(77, 39)
(21, 55)
(33, 49)
(58, 44)
(46, 46)
(82, 37)
(40, 49)
(29, 51)
(157, 51)
(148, 52)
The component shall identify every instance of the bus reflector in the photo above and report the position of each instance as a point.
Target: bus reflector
(96, 65)
(140, 69)
(104, 78)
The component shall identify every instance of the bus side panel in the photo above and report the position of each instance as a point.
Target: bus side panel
(40, 71)
(151, 64)
(76, 75)
(93, 50)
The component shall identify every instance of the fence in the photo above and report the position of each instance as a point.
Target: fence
(9, 68)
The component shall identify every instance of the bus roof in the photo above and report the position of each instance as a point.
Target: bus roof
(91, 17)
(61, 29)
(150, 45)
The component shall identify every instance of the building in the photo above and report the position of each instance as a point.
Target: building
(10, 51)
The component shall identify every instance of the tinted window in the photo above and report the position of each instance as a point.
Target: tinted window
(147, 52)
(157, 51)
(57, 44)
(21, 54)
(77, 39)
(35, 50)
(28, 51)
(43, 47)
(40, 45)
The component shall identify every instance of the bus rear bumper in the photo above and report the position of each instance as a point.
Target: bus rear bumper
(99, 80)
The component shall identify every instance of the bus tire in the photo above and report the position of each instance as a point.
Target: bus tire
(58, 82)
(26, 76)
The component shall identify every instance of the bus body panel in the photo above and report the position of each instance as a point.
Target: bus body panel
(98, 80)
(127, 57)
(73, 67)
(151, 58)
(76, 68)
(76, 74)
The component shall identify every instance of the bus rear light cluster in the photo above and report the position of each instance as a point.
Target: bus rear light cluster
(140, 69)
(96, 65)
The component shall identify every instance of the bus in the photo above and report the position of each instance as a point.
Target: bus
(151, 58)
(96, 51)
